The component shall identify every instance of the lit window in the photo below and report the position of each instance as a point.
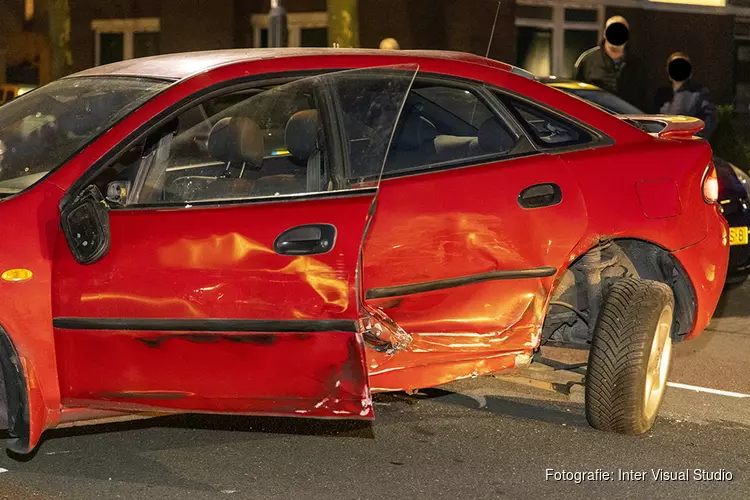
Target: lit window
(28, 10)
(706, 3)
(121, 39)
(551, 36)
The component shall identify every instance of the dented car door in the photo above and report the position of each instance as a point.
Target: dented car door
(474, 221)
(229, 284)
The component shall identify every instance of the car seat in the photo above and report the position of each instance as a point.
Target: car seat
(302, 136)
(492, 137)
(233, 140)
(414, 144)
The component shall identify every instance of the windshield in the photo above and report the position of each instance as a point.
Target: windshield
(41, 130)
(609, 102)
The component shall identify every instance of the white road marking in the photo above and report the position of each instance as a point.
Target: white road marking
(706, 389)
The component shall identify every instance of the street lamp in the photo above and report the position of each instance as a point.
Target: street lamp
(278, 32)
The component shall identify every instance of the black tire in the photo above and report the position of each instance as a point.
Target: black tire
(735, 280)
(616, 379)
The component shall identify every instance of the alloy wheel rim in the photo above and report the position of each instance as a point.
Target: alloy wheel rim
(658, 364)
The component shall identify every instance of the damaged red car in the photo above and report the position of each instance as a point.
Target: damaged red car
(286, 232)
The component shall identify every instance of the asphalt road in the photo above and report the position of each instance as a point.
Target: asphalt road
(480, 438)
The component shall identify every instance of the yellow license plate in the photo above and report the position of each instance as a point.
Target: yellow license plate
(738, 236)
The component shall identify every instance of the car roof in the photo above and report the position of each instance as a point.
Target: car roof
(183, 65)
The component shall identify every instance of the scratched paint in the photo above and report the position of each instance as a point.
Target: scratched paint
(217, 262)
(438, 368)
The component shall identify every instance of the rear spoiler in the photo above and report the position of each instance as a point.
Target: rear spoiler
(667, 127)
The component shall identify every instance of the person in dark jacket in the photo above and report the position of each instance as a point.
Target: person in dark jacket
(609, 66)
(686, 97)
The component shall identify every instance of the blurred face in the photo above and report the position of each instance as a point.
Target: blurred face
(679, 69)
(617, 33)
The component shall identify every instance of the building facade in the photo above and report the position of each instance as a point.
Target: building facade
(544, 36)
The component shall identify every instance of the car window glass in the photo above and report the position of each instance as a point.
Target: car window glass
(462, 103)
(368, 115)
(262, 142)
(41, 130)
(442, 124)
(236, 146)
(547, 130)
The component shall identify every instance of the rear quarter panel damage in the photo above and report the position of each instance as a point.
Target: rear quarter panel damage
(629, 192)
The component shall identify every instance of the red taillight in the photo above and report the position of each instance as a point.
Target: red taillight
(711, 185)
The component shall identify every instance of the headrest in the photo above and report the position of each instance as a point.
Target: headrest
(302, 131)
(494, 137)
(236, 139)
(415, 131)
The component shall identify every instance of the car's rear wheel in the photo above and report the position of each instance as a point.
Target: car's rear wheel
(630, 357)
(735, 280)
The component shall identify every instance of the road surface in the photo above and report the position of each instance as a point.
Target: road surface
(481, 438)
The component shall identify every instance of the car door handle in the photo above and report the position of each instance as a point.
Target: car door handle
(540, 195)
(310, 239)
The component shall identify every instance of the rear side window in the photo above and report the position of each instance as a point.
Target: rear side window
(546, 129)
(462, 103)
(446, 125)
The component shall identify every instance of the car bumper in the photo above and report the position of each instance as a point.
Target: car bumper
(706, 264)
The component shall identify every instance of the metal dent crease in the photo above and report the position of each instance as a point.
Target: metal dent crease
(474, 239)
(229, 250)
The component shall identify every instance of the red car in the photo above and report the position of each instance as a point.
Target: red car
(286, 232)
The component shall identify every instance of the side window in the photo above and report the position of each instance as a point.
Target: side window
(253, 143)
(546, 129)
(266, 141)
(442, 124)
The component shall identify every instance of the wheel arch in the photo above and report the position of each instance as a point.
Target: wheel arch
(585, 281)
(14, 399)
(654, 262)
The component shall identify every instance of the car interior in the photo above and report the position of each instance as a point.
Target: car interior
(431, 132)
(237, 146)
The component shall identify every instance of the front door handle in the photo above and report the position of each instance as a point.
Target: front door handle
(310, 239)
(540, 195)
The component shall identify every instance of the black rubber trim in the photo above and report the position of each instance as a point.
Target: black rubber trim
(206, 325)
(430, 286)
(17, 398)
(350, 193)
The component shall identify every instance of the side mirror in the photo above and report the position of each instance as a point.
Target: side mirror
(85, 223)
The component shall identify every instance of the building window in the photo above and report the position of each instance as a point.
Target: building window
(705, 3)
(306, 29)
(551, 37)
(120, 39)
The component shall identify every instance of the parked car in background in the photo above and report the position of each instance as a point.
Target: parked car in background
(285, 232)
(734, 184)
(9, 92)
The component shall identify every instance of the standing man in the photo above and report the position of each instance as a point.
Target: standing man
(686, 97)
(608, 65)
